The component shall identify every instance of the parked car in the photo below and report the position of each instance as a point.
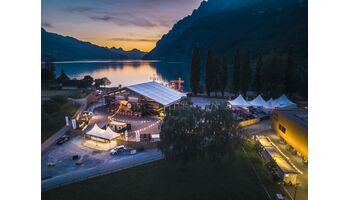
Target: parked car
(118, 150)
(62, 139)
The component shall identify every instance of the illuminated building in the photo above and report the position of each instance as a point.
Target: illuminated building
(291, 125)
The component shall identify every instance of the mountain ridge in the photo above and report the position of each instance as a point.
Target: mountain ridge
(56, 47)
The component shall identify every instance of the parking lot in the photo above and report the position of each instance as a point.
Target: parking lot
(60, 156)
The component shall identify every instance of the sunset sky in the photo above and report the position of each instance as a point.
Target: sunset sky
(120, 23)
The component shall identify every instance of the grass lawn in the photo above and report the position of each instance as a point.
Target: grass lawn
(232, 178)
(75, 94)
(53, 122)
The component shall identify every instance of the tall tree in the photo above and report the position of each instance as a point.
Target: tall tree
(223, 76)
(63, 78)
(195, 71)
(273, 75)
(236, 72)
(291, 76)
(246, 73)
(257, 76)
(209, 72)
(216, 74)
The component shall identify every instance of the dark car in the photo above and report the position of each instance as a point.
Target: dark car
(62, 139)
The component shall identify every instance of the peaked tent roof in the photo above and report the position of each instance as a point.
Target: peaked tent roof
(258, 101)
(100, 133)
(239, 101)
(271, 103)
(157, 92)
(283, 102)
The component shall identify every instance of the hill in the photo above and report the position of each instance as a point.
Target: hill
(56, 47)
(225, 27)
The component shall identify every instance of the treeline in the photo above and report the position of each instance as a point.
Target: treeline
(48, 78)
(270, 74)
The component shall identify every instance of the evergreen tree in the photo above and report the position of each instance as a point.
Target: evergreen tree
(236, 72)
(216, 75)
(209, 73)
(257, 77)
(291, 77)
(246, 73)
(195, 71)
(273, 75)
(223, 76)
(63, 78)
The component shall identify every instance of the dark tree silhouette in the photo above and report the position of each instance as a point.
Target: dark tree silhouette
(246, 73)
(195, 71)
(209, 73)
(257, 76)
(223, 76)
(236, 72)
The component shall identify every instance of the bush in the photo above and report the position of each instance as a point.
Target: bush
(50, 106)
(60, 99)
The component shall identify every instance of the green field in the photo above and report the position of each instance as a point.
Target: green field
(230, 178)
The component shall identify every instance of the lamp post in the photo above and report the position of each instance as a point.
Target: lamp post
(295, 188)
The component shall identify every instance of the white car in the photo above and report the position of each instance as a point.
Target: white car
(118, 150)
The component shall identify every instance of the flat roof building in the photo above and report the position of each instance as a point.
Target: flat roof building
(291, 125)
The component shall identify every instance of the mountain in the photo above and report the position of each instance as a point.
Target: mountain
(225, 25)
(132, 54)
(63, 48)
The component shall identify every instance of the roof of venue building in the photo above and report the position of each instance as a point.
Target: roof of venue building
(157, 92)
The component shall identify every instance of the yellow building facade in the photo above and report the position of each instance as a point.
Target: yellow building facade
(291, 125)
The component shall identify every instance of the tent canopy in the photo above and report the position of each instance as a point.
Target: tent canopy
(107, 134)
(157, 92)
(239, 101)
(258, 101)
(284, 102)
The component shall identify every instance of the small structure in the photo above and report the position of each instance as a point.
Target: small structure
(239, 102)
(258, 102)
(117, 126)
(103, 137)
(177, 85)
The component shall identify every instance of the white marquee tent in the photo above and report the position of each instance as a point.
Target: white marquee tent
(271, 104)
(239, 101)
(107, 134)
(284, 102)
(259, 102)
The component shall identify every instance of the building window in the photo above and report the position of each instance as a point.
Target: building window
(282, 128)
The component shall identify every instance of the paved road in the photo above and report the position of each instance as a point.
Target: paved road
(117, 165)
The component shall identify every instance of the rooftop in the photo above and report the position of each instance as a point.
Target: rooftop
(299, 116)
(157, 92)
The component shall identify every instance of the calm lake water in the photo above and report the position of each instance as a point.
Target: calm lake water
(126, 72)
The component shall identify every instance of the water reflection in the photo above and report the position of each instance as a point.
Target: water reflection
(126, 72)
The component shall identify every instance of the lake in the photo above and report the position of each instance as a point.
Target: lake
(126, 72)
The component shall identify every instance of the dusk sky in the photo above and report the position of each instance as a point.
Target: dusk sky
(120, 23)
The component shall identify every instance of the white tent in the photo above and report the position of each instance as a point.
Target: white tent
(259, 102)
(271, 104)
(239, 101)
(107, 134)
(284, 102)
